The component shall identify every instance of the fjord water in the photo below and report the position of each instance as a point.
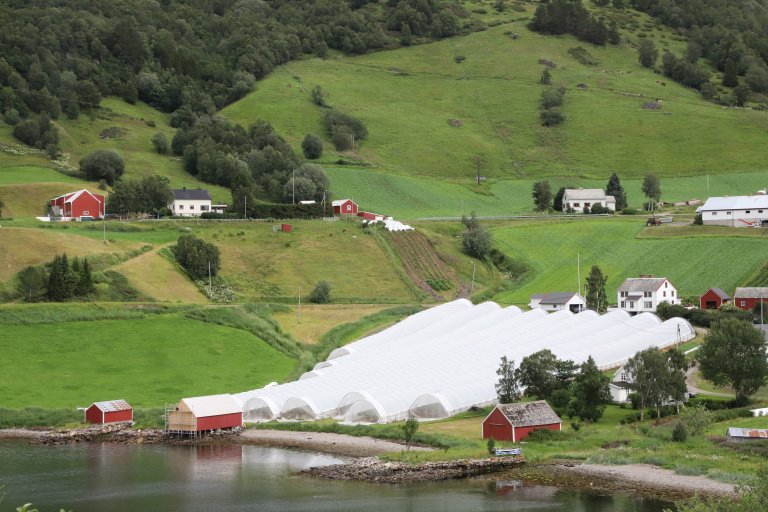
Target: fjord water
(122, 478)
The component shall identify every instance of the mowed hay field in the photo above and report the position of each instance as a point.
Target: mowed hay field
(692, 262)
(411, 197)
(317, 319)
(149, 362)
(157, 277)
(406, 98)
(21, 247)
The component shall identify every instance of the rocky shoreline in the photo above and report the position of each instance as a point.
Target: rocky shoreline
(371, 469)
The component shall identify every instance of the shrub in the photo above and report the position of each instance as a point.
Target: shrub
(543, 435)
(491, 446)
(160, 142)
(680, 433)
(312, 147)
(321, 293)
(698, 220)
(551, 117)
(102, 164)
(629, 211)
(195, 255)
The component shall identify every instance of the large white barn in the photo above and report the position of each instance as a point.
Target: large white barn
(577, 199)
(735, 211)
(443, 361)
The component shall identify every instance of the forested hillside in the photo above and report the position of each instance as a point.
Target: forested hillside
(730, 34)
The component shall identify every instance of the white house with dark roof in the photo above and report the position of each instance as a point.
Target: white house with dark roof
(558, 301)
(735, 211)
(577, 198)
(190, 203)
(643, 294)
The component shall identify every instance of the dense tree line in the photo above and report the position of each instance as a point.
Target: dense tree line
(57, 281)
(150, 194)
(728, 33)
(571, 17)
(61, 58)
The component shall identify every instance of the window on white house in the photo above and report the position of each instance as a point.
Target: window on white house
(191, 207)
(647, 294)
(587, 204)
(748, 211)
(623, 304)
(204, 207)
(631, 304)
(181, 207)
(648, 304)
(673, 293)
(576, 205)
(759, 211)
(664, 294)
(727, 213)
(624, 294)
(714, 213)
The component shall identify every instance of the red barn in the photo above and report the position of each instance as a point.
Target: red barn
(80, 205)
(713, 299)
(344, 207)
(204, 413)
(748, 298)
(109, 412)
(514, 422)
(369, 216)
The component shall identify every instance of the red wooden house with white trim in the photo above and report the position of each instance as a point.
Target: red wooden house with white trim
(205, 413)
(713, 299)
(748, 298)
(80, 205)
(515, 422)
(344, 207)
(110, 411)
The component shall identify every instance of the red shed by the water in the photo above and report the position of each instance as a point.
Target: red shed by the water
(344, 207)
(514, 422)
(109, 412)
(203, 413)
(80, 205)
(713, 299)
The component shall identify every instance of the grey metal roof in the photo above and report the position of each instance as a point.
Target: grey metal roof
(749, 433)
(557, 297)
(642, 284)
(195, 194)
(720, 293)
(112, 405)
(735, 203)
(526, 414)
(584, 194)
(751, 293)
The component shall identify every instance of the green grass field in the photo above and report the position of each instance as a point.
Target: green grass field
(407, 96)
(148, 361)
(33, 174)
(691, 262)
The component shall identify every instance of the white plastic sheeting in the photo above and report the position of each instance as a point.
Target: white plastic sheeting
(442, 361)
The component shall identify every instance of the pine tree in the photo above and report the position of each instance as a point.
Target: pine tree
(85, 280)
(615, 189)
(55, 288)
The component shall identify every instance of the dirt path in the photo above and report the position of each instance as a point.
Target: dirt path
(337, 444)
(691, 381)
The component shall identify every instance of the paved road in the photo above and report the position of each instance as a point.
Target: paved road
(690, 381)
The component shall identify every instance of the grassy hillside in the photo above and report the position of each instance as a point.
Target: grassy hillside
(623, 248)
(148, 361)
(406, 98)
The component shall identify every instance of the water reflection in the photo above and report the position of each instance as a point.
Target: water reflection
(98, 477)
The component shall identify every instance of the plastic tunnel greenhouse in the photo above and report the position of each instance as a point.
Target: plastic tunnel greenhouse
(442, 361)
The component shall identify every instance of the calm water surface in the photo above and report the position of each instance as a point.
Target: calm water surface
(122, 478)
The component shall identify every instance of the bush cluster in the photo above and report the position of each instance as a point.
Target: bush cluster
(197, 256)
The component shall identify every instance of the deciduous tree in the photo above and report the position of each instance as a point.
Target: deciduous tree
(542, 196)
(647, 53)
(102, 164)
(651, 187)
(507, 387)
(476, 240)
(197, 256)
(591, 393)
(596, 298)
(734, 353)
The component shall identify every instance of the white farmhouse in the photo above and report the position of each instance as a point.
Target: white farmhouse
(190, 203)
(621, 386)
(558, 301)
(736, 211)
(643, 294)
(577, 198)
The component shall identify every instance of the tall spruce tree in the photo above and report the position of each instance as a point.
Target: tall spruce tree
(85, 281)
(60, 280)
(615, 189)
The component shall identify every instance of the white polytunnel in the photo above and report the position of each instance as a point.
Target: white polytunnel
(443, 360)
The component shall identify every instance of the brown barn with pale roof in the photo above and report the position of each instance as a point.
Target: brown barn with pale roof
(515, 422)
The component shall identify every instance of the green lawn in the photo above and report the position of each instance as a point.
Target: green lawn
(149, 362)
(692, 263)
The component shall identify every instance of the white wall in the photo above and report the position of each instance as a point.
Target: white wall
(190, 207)
(734, 218)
